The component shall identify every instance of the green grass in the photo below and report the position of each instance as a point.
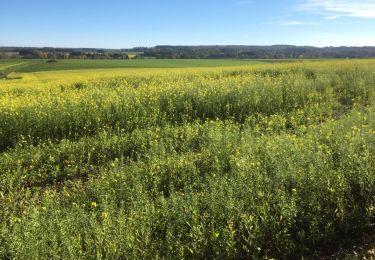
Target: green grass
(9, 66)
(5, 64)
(43, 65)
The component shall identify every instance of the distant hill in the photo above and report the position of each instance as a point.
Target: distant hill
(192, 52)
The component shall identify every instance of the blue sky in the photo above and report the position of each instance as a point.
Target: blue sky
(130, 23)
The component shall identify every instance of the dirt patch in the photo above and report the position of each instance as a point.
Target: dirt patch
(361, 248)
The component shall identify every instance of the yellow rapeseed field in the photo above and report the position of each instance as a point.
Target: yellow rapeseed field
(261, 161)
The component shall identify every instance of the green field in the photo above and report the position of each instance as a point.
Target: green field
(5, 64)
(43, 65)
(269, 161)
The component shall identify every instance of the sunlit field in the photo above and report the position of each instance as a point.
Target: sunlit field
(254, 161)
(36, 65)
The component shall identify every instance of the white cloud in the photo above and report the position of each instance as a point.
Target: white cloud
(332, 17)
(334, 9)
(290, 23)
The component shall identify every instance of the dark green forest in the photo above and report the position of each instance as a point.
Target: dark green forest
(191, 52)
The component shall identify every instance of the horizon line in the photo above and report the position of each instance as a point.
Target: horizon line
(197, 45)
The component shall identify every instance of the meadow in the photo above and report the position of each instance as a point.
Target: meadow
(35, 65)
(254, 161)
(4, 64)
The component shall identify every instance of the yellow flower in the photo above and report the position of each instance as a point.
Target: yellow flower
(93, 204)
(104, 215)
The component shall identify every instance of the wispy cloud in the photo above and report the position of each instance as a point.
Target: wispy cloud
(332, 17)
(334, 9)
(291, 23)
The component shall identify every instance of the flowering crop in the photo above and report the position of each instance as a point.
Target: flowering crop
(239, 162)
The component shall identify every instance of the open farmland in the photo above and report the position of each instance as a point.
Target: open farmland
(4, 64)
(79, 64)
(260, 161)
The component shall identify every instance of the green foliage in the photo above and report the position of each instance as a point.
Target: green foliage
(265, 162)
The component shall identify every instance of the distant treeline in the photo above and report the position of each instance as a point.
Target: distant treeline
(257, 52)
(191, 52)
(62, 53)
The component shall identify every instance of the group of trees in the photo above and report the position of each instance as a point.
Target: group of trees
(9, 55)
(61, 53)
(192, 52)
(258, 52)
